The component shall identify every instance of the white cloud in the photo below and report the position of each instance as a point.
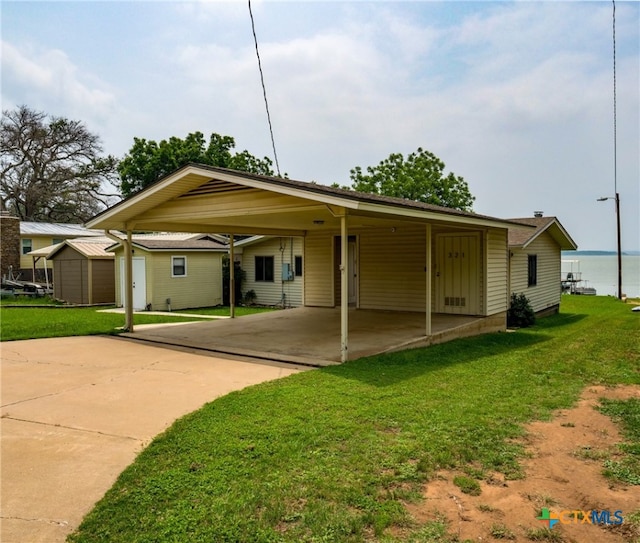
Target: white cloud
(28, 73)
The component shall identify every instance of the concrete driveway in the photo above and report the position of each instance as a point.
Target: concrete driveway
(77, 411)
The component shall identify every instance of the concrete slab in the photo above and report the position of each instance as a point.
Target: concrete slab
(76, 412)
(311, 335)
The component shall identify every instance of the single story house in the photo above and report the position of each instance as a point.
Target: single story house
(39, 235)
(535, 261)
(84, 271)
(361, 250)
(273, 268)
(171, 271)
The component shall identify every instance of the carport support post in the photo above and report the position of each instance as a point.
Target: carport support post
(344, 289)
(128, 277)
(232, 279)
(428, 285)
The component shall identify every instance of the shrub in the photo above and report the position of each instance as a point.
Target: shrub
(250, 297)
(520, 314)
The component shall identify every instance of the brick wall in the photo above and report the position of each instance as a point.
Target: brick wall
(9, 244)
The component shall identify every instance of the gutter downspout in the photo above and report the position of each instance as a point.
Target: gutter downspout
(128, 273)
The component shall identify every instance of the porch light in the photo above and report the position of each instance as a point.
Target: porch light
(318, 221)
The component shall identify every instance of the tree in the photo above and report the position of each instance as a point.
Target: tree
(148, 161)
(52, 168)
(420, 177)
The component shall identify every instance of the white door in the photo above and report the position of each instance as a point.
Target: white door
(458, 273)
(139, 283)
(353, 271)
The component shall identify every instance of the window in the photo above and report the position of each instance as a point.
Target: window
(532, 270)
(178, 266)
(264, 268)
(27, 245)
(298, 266)
(56, 241)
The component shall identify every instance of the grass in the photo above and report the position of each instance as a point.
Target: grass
(27, 300)
(223, 311)
(500, 531)
(467, 485)
(34, 322)
(627, 414)
(333, 454)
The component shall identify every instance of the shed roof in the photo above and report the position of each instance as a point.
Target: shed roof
(199, 198)
(522, 237)
(91, 248)
(174, 242)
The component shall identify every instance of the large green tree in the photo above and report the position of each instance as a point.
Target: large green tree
(147, 161)
(420, 177)
(52, 169)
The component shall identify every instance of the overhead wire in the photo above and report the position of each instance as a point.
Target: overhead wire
(615, 106)
(264, 90)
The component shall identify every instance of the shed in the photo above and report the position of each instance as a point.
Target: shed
(42, 235)
(84, 271)
(535, 261)
(172, 271)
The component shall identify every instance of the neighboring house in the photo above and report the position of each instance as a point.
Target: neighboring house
(172, 271)
(274, 269)
(363, 251)
(84, 271)
(535, 261)
(38, 235)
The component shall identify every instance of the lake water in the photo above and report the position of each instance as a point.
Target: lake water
(601, 273)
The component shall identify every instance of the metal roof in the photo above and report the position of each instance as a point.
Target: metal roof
(88, 247)
(55, 229)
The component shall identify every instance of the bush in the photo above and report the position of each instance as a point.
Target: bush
(250, 297)
(520, 314)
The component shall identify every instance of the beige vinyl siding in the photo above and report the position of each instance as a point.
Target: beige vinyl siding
(497, 271)
(318, 267)
(26, 261)
(270, 292)
(201, 287)
(392, 268)
(547, 292)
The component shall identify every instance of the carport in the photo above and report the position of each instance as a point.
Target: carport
(361, 251)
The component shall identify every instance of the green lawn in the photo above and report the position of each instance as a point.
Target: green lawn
(332, 454)
(56, 321)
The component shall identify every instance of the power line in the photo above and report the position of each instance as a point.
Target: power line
(615, 107)
(264, 90)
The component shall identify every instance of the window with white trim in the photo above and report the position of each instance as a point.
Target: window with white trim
(178, 266)
(27, 245)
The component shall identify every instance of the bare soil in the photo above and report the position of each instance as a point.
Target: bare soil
(562, 473)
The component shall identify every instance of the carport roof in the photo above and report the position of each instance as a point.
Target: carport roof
(198, 198)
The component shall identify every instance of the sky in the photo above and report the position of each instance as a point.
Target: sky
(515, 97)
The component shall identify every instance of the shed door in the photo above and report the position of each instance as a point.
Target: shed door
(139, 283)
(458, 273)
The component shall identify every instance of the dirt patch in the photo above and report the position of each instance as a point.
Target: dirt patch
(563, 473)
